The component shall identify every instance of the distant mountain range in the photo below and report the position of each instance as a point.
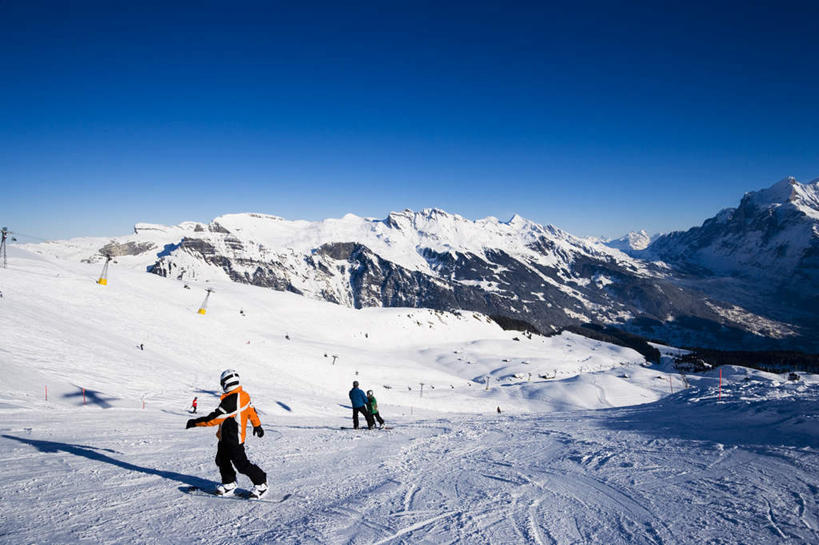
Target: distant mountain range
(747, 278)
(635, 240)
(762, 255)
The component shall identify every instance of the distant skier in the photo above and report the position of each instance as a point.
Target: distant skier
(359, 400)
(372, 406)
(194, 404)
(141, 346)
(231, 416)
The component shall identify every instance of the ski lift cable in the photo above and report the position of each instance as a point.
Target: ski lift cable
(25, 235)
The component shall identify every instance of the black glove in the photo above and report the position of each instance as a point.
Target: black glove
(191, 423)
(258, 431)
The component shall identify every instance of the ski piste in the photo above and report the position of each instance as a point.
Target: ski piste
(239, 494)
(365, 429)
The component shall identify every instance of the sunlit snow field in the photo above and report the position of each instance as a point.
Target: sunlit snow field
(601, 451)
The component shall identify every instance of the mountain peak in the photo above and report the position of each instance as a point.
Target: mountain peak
(804, 197)
(516, 219)
(779, 193)
(635, 240)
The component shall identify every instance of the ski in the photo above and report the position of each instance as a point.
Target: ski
(239, 494)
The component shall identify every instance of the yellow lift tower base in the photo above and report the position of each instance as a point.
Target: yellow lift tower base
(201, 311)
(102, 281)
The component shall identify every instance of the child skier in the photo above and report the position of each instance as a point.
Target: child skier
(231, 416)
(359, 400)
(372, 405)
(193, 405)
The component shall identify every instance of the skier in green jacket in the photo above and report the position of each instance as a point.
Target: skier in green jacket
(372, 405)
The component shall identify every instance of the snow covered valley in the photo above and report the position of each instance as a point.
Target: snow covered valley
(591, 446)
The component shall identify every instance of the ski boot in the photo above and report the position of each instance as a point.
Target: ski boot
(226, 489)
(258, 491)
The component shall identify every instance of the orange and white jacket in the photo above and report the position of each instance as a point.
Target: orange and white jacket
(231, 416)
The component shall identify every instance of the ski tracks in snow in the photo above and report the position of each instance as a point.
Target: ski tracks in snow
(463, 484)
(549, 479)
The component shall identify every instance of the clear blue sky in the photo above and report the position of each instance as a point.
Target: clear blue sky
(599, 118)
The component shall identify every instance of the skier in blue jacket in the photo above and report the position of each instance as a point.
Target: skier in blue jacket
(359, 400)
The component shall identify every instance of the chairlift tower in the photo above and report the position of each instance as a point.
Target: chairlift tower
(203, 308)
(103, 281)
(4, 234)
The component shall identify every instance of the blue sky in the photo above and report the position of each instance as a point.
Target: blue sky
(599, 118)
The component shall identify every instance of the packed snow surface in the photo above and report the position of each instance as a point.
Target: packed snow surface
(590, 445)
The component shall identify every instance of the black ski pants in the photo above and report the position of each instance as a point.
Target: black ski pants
(378, 417)
(367, 416)
(230, 455)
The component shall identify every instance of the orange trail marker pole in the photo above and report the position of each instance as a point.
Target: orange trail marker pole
(83, 396)
(720, 385)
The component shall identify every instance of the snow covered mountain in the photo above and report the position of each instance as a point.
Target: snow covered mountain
(514, 269)
(773, 234)
(635, 240)
(764, 254)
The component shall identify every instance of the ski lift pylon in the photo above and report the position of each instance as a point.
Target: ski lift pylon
(204, 306)
(103, 280)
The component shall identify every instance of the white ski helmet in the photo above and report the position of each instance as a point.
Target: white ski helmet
(229, 380)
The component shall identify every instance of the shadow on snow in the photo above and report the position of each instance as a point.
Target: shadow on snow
(96, 454)
(734, 422)
(91, 396)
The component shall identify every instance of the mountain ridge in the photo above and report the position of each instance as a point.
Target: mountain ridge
(516, 269)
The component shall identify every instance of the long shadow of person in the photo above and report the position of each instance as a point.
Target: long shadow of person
(96, 454)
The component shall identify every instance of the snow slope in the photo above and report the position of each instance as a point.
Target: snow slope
(599, 454)
(67, 332)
